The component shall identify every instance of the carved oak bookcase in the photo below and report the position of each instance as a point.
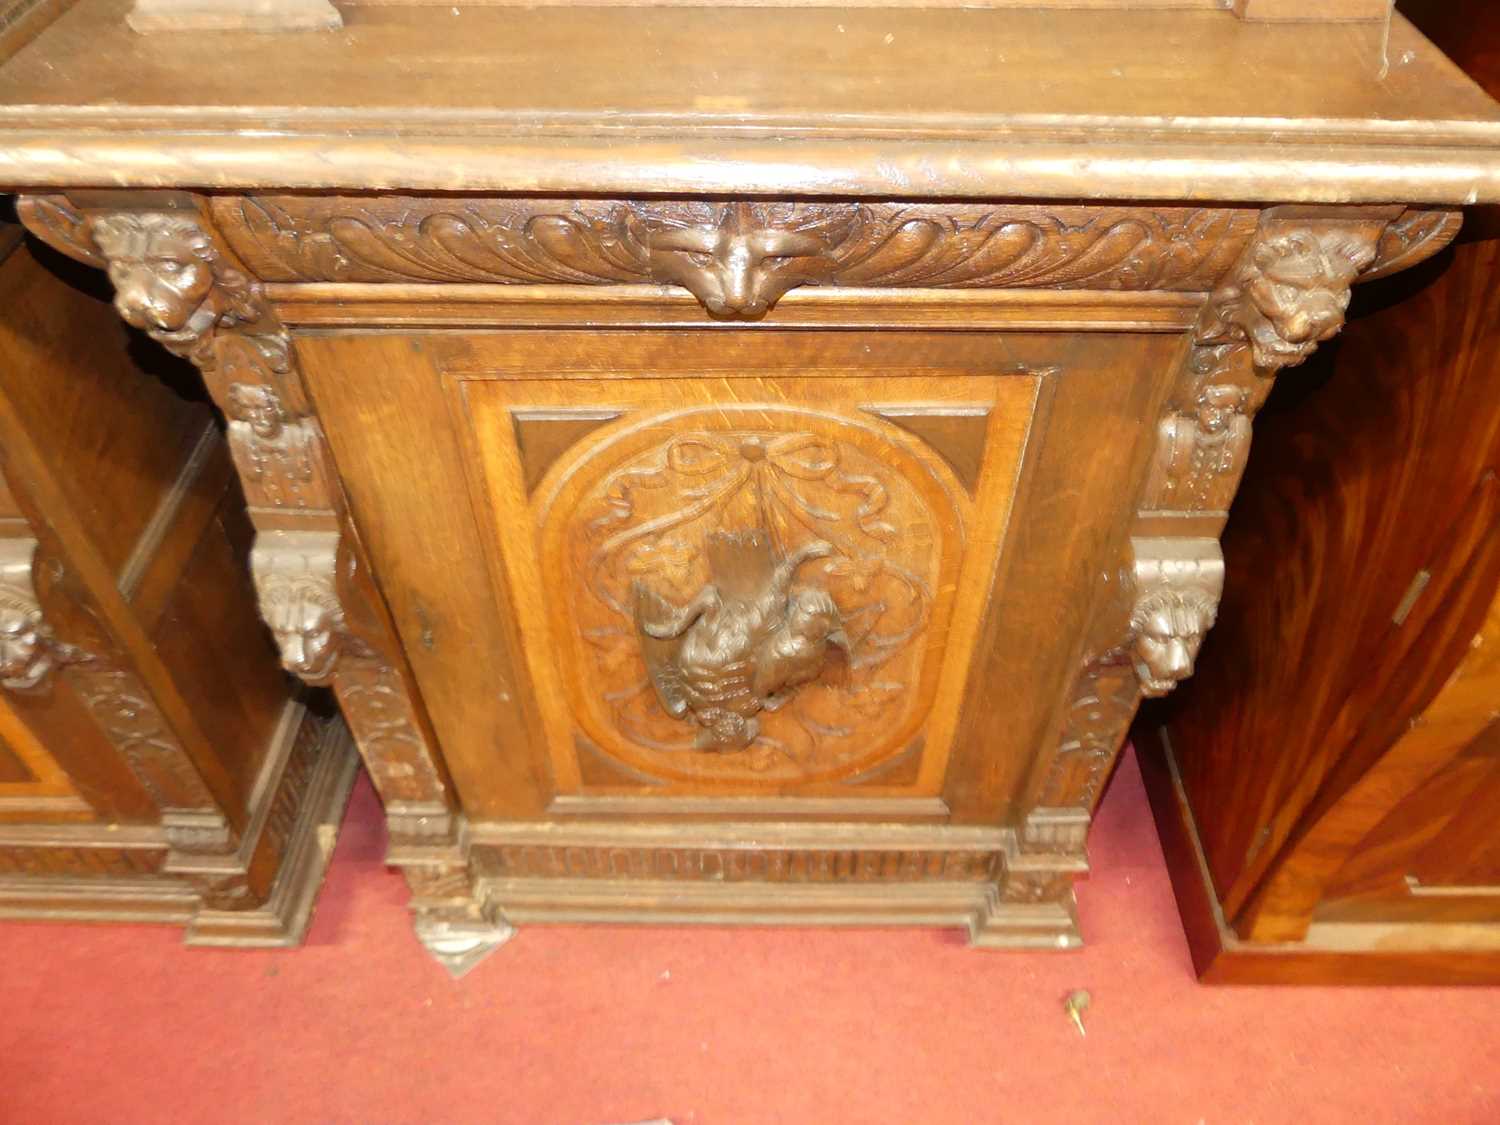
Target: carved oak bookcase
(155, 762)
(767, 508)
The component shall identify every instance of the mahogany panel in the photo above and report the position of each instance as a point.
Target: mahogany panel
(1355, 755)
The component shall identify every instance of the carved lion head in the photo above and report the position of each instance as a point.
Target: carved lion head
(1290, 293)
(25, 655)
(305, 617)
(168, 277)
(1168, 628)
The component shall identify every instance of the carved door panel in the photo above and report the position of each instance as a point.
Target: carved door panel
(770, 592)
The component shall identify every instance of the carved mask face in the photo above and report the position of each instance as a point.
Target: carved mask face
(24, 659)
(257, 407)
(1169, 631)
(1217, 407)
(161, 266)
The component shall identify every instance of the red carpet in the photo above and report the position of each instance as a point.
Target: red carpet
(580, 1026)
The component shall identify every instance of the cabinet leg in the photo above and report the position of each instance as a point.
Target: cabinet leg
(458, 944)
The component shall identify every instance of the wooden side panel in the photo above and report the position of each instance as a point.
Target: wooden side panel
(70, 376)
(1093, 437)
(1369, 521)
(220, 654)
(405, 495)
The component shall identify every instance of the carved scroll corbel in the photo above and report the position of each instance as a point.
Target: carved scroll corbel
(1178, 583)
(294, 573)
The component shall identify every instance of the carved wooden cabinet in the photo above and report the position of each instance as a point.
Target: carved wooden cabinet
(765, 505)
(155, 763)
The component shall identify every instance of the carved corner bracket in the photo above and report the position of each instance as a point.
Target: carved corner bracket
(170, 278)
(294, 574)
(1169, 600)
(1290, 288)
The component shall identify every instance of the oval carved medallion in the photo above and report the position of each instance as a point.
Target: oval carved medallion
(752, 593)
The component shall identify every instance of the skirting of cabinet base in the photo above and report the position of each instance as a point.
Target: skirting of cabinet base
(777, 874)
(284, 917)
(992, 924)
(1221, 957)
(281, 920)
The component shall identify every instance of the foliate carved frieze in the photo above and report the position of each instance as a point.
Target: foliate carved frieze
(737, 258)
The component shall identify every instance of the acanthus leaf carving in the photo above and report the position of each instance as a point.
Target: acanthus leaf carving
(61, 226)
(737, 257)
(1415, 236)
(1172, 593)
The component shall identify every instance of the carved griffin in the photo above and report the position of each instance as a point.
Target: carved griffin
(743, 644)
(1288, 293)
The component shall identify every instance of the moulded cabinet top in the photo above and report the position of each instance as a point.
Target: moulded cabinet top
(1169, 104)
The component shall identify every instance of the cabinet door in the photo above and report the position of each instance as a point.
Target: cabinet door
(732, 571)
